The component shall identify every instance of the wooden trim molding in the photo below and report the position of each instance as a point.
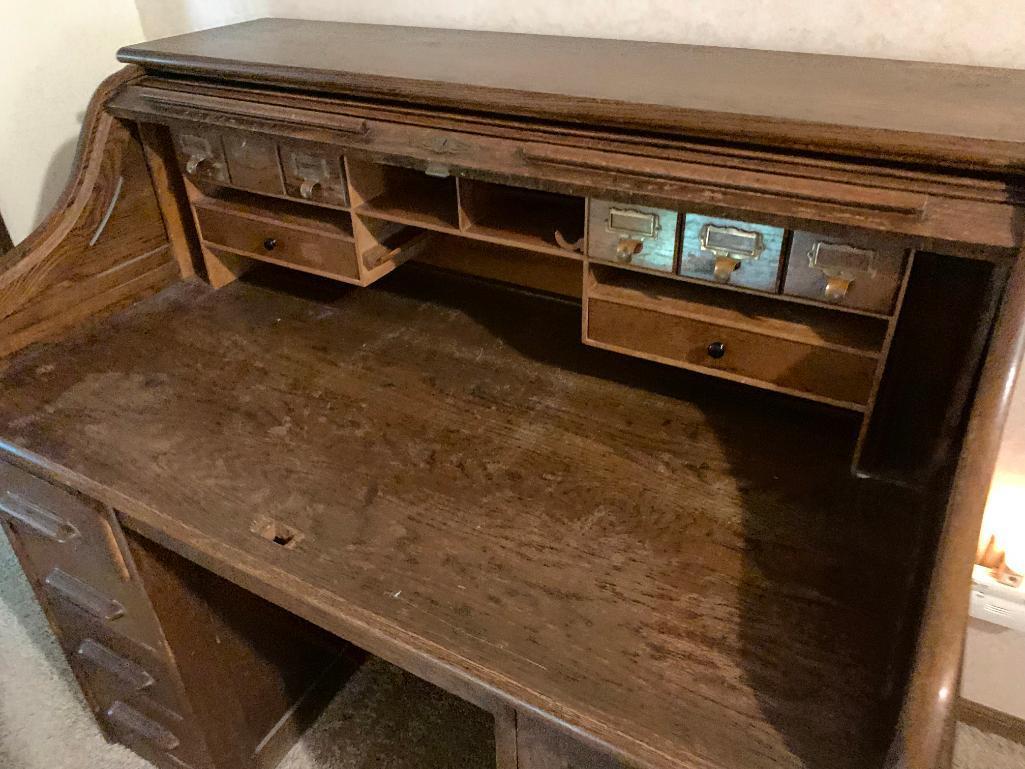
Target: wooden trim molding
(991, 720)
(926, 723)
(103, 246)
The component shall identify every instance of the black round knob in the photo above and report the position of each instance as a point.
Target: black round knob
(270, 244)
(716, 350)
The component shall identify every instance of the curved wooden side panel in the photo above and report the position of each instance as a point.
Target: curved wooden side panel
(104, 245)
(925, 730)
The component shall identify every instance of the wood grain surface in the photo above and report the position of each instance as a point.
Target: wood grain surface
(683, 571)
(973, 115)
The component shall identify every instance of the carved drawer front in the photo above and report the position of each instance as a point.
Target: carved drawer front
(741, 353)
(730, 251)
(857, 271)
(313, 173)
(636, 235)
(277, 241)
(201, 154)
(71, 549)
(253, 162)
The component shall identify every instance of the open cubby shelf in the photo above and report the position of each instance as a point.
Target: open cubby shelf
(521, 217)
(779, 297)
(404, 195)
(807, 324)
(300, 216)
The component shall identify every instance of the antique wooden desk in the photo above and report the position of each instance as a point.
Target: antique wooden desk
(644, 396)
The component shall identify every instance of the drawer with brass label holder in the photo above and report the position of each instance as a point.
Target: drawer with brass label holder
(858, 271)
(634, 235)
(729, 251)
(313, 173)
(201, 154)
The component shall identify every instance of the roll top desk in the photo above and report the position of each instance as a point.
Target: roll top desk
(643, 396)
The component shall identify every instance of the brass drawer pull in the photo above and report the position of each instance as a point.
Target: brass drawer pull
(40, 520)
(841, 264)
(106, 659)
(84, 596)
(130, 719)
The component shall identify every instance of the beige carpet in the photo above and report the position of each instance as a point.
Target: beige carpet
(382, 719)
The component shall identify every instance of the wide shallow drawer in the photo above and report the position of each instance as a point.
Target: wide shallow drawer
(311, 248)
(822, 372)
(859, 271)
(71, 550)
(729, 251)
(636, 235)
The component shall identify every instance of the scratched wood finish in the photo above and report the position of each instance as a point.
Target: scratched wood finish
(868, 106)
(103, 246)
(603, 540)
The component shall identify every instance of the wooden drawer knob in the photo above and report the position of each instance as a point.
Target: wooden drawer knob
(716, 350)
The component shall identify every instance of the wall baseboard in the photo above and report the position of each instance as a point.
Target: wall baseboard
(991, 720)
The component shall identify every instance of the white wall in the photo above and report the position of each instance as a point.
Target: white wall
(55, 54)
(985, 32)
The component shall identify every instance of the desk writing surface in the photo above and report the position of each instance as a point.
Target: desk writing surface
(682, 568)
(954, 114)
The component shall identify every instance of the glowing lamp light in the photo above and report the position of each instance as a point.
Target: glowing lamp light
(1003, 527)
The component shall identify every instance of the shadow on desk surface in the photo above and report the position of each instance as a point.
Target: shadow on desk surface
(642, 552)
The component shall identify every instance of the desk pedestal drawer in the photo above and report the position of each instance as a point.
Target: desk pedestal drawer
(736, 353)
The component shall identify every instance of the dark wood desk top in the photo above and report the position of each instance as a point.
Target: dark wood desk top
(689, 575)
(959, 115)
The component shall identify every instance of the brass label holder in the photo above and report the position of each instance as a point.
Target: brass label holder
(730, 246)
(633, 228)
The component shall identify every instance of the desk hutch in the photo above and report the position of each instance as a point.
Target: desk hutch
(644, 396)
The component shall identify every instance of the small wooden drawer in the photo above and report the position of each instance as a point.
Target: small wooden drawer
(253, 162)
(730, 251)
(201, 154)
(740, 353)
(314, 173)
(636, 235)
(311, 245)
(859, 271)
(71, 550)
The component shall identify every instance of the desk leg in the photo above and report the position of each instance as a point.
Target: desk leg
(541, 746)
